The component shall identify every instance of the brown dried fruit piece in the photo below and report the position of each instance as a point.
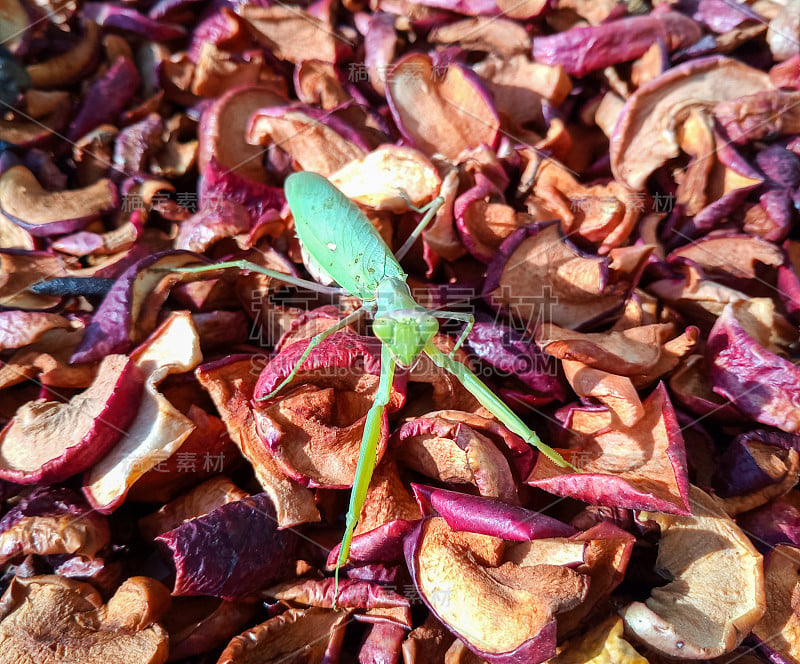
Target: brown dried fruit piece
(292, 34)
(230, 382)
(453, 452)
(446, 113)
(540, 276)
(645, 137)
(315, 426)
(465, 581)
(716, 593)
(631, 352)
(157, 428)
(640, 463)
(294, 632)
(49, 620)
(48, 441)
(780, 626)
(43, 212)
(381, 179)
(82, 535)
(601, 645)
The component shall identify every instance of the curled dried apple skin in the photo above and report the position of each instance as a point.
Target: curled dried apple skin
(249, 550)
(49, 441)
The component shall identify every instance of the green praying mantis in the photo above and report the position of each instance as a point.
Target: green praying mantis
(343, 245)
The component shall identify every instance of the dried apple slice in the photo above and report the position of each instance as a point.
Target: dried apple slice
(292, 34)
(427, 643)
(249, 552)
(440, 112)
(486, 516)
(716, 592)
(779, 629)
(201, 500)
(759, 114)
(756, 467)
(48, 361)
(106, 97)
(581, 50)
(206, 227)
(602, 644)
(626, 352)
(608, 551)
(68, 67)
(231, 382)
(378, 178)
(777, 522)
(158, 428)
(123, 18)
(528, 373)
(484, 220)
(207, 451)
(383, 642)
(539, 276)
(735, 259)
(52, 521)
(20, 328)
(760, 383)
(48, 441)
(453, 452)
(316, 633)
(638, 466)
(129, 309)
(380, 546)
(655, 109)
(317, 142)
(223, 127)
(43, 615)
(42, 212)
(386, 517)
(198, 625)
(465, 583)
(314, 428)
(353, 594)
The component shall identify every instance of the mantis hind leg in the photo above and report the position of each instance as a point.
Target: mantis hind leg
(367, 459)
(315, 341)
(494, 404)
(274, 274)
(458, 315)
(430, 211)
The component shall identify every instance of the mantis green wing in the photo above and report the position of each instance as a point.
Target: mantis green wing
(338, 236)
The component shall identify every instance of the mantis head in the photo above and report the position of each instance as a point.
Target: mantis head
(405, 332)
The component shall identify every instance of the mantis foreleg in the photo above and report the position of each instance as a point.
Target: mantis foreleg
(458, 315)
(493, 404)
(367, 459)
(315, 341)
(430, 212)
(274, 274)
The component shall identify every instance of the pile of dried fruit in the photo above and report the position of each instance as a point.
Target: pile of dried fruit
(622, 186)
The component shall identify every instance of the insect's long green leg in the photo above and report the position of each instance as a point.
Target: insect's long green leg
(430, 212)
(494, 404)
(252, 267)
(315, 341)
(457, 315)
(367, 458)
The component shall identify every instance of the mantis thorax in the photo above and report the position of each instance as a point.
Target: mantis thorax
(400, 323)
